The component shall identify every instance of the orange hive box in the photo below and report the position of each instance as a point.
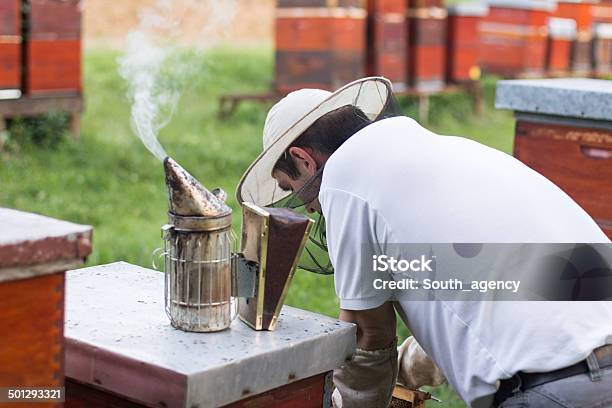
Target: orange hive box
(582, 12)
(463, 41)
(319, 43)
(387, 40)
(561, 34)
(53, 51)
(10, 44)
(517, 30)
(602, 12)
(427, 48)
(34, 253)
(603, 49)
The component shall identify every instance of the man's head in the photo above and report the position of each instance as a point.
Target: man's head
(316, 122)
(299, 169)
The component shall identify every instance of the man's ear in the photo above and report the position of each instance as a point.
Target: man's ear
(304, 161)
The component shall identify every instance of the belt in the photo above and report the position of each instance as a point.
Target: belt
(525, 381)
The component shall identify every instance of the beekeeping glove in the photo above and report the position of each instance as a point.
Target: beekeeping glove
(416, 368)
(367, 379)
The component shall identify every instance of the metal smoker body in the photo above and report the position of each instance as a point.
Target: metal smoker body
(198, 272)
(203, 275)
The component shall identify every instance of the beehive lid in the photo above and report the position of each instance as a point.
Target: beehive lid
(546, 5)
(568, 97)
(32, 244)
(477, 9)
(119, 339)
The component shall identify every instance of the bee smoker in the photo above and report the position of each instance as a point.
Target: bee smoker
(207, 282)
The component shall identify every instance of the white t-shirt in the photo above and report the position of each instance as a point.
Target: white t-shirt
(396, 182)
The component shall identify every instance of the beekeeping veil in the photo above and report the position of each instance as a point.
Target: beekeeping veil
(288, 119)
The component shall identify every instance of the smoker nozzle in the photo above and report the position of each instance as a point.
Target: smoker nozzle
(187, 196)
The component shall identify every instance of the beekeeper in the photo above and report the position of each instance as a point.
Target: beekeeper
(378, 179)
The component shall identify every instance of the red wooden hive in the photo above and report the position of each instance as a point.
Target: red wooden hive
(34, 253)
(463, 42)
(386, 40)
(517, 30)
(582, 12)
(53, 47)
(427, 48)
(574, 158)
(319, 43)
(561, 35)
(602, 49)
(602, 11)
(10, 44)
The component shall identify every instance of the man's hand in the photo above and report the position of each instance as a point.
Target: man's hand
(368, 379)
(416, 368)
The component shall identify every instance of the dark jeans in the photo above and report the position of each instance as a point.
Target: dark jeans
(589, 390)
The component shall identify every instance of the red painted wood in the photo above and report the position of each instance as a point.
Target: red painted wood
(83, 396)
(582, 55)
(558, 55)
(32, 333)
(602, 12)
(10, 17)
(425, 3)
(53, 66)
(463, 44)
(517, 34)
(581, 12)
(603, 55)
(10, 64)
(574, 158)
(427, 50)
(387, 40)
(323, 52)
(306, 393)
(387, 6)
(53, 19)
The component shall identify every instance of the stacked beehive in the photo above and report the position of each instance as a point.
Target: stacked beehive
(319, 43)
(427, 44)
(602, 11)
(602, 49)
(463, 41)
(387, 37)
(514, 37)
(53, 52)
(582, 12)
(561, 35)
(10, 44)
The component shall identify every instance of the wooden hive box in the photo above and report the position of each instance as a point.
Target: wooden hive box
(568, 141)
(463, 42)
(602, 49)
(319, 43)
(10, 44)
(561, 35)
(517, 30)
(387, 39)
(427, 48)
(34, 253)
(53, 51)
(602, 11)
(424, 3)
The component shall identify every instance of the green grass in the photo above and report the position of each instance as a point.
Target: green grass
(107, 178)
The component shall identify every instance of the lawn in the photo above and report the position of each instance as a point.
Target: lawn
(108, 179)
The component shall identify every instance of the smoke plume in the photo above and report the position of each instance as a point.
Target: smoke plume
(154, 65)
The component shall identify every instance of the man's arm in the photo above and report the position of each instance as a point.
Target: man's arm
(368, 379)
(375, 327)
